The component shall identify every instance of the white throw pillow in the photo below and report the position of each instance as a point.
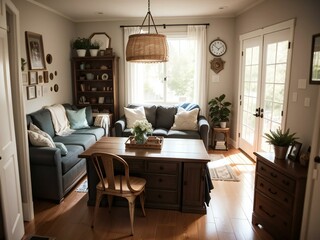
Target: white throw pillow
(39, 140)
(133, 114)
(186, 120)
(34, 128)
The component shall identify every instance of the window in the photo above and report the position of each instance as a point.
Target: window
(171, 82)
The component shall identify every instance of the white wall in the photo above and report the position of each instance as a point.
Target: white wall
(57, 33)
(300, 118)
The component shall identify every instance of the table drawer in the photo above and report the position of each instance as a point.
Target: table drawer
(274, 215)
(162, 167)
(278, 178)
(158, 181)
(275, 193)
(159, 196)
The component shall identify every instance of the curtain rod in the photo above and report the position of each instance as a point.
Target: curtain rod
(168, 25)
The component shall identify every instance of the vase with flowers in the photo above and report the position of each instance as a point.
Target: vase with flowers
(140, 130)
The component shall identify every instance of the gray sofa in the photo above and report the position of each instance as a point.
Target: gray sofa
(162, 119)
(52, 174)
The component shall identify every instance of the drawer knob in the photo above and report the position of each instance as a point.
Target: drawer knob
(285, 182)
(272, 174)
(160, 180)
(161, 167)
(272, 192)
(159, 196)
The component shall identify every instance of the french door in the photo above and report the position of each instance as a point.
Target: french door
(265, 68)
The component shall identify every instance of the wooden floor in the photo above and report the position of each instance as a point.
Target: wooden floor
(228, 215)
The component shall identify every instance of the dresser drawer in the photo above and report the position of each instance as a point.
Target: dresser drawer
(160, 181)
(278, 178)
(269, 211)
(275, 193)
(162, 167)
(159, 196)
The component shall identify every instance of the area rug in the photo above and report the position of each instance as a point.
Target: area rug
(220, 170)
(83, 188)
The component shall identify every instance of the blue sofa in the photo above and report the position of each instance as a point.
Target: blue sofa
(162, 119)
(52, 174)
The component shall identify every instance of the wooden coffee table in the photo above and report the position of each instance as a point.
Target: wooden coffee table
(175, 174)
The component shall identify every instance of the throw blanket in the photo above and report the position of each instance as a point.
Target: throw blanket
(59, 119)
(103, 120)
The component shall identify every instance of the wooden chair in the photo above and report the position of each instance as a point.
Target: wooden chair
(117, 185)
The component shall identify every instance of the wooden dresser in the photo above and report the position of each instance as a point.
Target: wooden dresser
(279, 196)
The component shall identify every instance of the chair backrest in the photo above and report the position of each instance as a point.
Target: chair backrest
(104, 165)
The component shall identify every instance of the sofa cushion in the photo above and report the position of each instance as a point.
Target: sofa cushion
(133, 114)
(77, 118)
(189, 106)
(150, 111)
(160, 132)
(84, 140)
(165, 116)
(183, 134)
(97, 132)
(186, 120)
(42, 119)
(62, 147)
(34, 128)
(71, 159)
(39, 140)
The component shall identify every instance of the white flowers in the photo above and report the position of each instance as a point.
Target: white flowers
(141, 126)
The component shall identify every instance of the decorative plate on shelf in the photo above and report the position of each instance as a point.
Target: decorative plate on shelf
(104, 76)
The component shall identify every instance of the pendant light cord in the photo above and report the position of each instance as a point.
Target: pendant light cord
(149, 16)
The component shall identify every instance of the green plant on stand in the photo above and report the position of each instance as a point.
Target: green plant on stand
(281, 140)
(81, 45)
(94, 48)
(219, 111)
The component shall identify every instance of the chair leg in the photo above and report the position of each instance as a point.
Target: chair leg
(131, 201)
(110, 200)
(98, 200)
(142, 198)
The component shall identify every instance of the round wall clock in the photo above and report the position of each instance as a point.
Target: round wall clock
(218, 47)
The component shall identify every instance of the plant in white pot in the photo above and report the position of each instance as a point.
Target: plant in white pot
(281, 140)
(81, 45)
(219, 111)
(94, 48)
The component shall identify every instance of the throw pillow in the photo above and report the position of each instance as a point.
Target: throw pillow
(133, 114)
(34, 128)
(77, 118)
(39, 140)
(186, 120)
(62, 147)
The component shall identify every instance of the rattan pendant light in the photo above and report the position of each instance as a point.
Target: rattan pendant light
(147, 47)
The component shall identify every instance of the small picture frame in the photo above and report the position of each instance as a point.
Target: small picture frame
(35, 51)
(33, 77)
(39, 90)
(101, 100)
(25, 79)
(294, 151)
(31, 92)
(45, 76)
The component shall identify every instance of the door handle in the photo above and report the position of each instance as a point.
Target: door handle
(261, 115)
(257, 114)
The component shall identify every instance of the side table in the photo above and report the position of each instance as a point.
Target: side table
(216, 132)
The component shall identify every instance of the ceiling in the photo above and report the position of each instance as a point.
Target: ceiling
(108, 10)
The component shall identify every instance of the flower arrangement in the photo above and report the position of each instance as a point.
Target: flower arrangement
(140, 130)
(141, 127)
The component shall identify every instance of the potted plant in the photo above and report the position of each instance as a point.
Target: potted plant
(281, 140)
(219, 111)
(81, 45)
(94, 48)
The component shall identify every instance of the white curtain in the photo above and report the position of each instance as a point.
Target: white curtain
(130, 70)
(199, 33)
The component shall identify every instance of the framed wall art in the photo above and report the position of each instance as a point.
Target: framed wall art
(25, 79)
(33, 77)
(315, 60)
(35, 52)
(31, 92)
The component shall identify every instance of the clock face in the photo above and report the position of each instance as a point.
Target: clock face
(217, 47)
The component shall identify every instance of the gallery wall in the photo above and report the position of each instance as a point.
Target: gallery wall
(57, 33)
(300, 118)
